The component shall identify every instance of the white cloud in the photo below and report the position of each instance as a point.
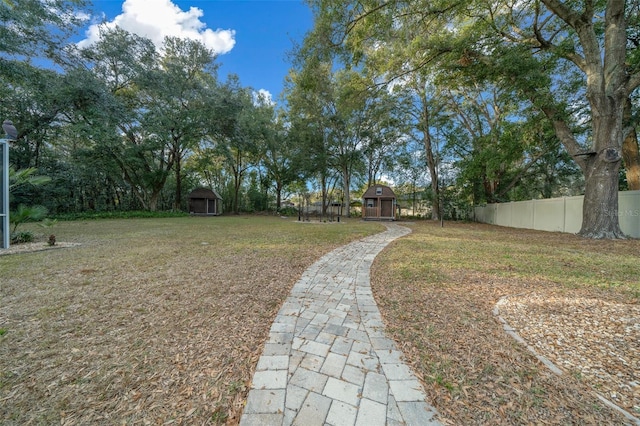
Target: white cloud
(156, 19)
(263, 97)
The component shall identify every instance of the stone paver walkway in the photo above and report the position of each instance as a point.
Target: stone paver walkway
(327, 360)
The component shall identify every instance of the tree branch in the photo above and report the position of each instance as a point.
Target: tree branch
(352, 23)
(565, 13)
(521, 173)
(537, 29)
(564, 133)
(633, 82)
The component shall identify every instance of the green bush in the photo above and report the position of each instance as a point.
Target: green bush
(21, 237)
(26, 214)
(118, 215)
(288, 211)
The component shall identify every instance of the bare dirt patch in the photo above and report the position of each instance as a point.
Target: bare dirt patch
(574, 300)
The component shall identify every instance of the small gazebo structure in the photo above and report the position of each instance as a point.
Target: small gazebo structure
(379, 202)
(204, 201)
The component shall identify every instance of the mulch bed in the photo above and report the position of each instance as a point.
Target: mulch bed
(137, 343)
(595, 337)
(474, 373)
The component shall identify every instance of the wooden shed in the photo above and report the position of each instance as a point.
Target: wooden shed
(379, 202)
(204, 201)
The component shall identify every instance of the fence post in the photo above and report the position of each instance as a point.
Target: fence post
(564, 214)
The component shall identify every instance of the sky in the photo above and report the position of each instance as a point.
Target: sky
(251, 37)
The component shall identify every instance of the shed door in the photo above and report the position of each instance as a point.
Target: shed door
(211, 207)
(386, 208)
(197, 205)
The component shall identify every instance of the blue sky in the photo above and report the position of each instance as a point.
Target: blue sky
(251, 36)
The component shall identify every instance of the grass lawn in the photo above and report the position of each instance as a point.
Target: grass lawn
(575, 301)
(148, 320)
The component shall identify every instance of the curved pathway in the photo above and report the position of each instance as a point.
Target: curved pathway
(327, 360)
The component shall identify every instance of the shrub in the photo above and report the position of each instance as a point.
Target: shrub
(21, 237)
(288, 211)
(118, 215)
(26, 214)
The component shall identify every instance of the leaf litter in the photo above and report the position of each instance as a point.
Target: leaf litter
(136, 328)
(437, 304)
(142, 324)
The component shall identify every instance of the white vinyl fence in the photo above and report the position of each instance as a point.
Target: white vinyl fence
(558, 214)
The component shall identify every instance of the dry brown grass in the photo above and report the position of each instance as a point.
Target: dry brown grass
(148, 321)
(162, 320)
(437, 287)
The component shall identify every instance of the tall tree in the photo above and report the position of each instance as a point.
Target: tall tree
(385, 137)
(630, 146)
(311, 102)
(33, 30)
(350, 126)
(36, 28)
(177, 95)
(589, 38)
(156, 111)
(124, 63)
(280, 156)
(424, 108)
(235, 131)
(535, 46)
(491, 140)
(34, 99)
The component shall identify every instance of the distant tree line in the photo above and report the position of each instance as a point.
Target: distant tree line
(124, 125)
(457, 103)
(526, 98)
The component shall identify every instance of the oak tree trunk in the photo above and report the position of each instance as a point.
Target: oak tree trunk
(178, 166)
(432, 163)
(346, 186)
(600, 209)
(278, 196)
(607, 91)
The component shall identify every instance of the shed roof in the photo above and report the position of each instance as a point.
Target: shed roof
(204, 193)
(386, 192)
